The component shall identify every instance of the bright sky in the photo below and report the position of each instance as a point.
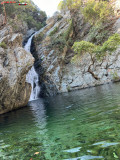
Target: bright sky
(49, 6)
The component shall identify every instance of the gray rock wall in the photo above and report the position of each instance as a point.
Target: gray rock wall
(15, 63)
(58, 73)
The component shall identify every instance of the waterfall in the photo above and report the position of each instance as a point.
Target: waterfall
(32, 76)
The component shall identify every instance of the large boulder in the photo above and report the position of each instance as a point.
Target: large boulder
(15, 63)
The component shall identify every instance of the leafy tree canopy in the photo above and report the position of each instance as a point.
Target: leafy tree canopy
(96, 11)
(108, 46)
(70, 4)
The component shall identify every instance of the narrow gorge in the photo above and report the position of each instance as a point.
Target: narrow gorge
(60, 80)
(54, 71)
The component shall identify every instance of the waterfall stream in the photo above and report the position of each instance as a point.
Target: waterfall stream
(32, 76)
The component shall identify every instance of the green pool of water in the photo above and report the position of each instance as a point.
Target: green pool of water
(80, 125)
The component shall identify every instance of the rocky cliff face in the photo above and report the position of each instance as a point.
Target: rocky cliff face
(15, 63)
(53, 48)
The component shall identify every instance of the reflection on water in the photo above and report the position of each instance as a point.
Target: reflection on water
(39, 112)
(78, 125)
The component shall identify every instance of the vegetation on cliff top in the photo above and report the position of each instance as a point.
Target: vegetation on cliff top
(97, 11)
(69, 4)
(30, 14)
(93, 11)
(99, 15)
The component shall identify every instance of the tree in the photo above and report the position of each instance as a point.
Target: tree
(69, 4)
(97, 11)
(100, 51)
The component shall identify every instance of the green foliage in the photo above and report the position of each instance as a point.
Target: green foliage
(108, 46)
(39, 37)
(54, 31)
(59, 43)
(70, 4)
(3, 45)
(97, 11)
(29, 14)
(98, 34)
(68, 88)
(115, 76)
(112, 43)
(68, 31)
(70, 41)
(32, 23)
(93, 11)
(76, 59)
(63, 39)
(83, 47)
(61, 5)
(115, 155)
(14, 26)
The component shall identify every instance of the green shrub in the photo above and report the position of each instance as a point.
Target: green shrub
(68, 31)
(54, 31)
(39, 25)
(29, 14)
(98, 34)
(70, 4)
(39, 37)
(62, 40)
(115, 76)
(112, 43)
(3, 45)
(83, 47)
(108, 46)
(97, 11)
(14, 26)
(68, 88)
(61, 5)
(59, 43)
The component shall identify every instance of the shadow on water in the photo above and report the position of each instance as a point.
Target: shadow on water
(81, 125)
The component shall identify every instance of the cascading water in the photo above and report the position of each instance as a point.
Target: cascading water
(32, 76)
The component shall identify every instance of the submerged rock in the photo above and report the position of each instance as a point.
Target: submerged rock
(15, 63)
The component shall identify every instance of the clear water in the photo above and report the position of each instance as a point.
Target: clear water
(80, 125)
